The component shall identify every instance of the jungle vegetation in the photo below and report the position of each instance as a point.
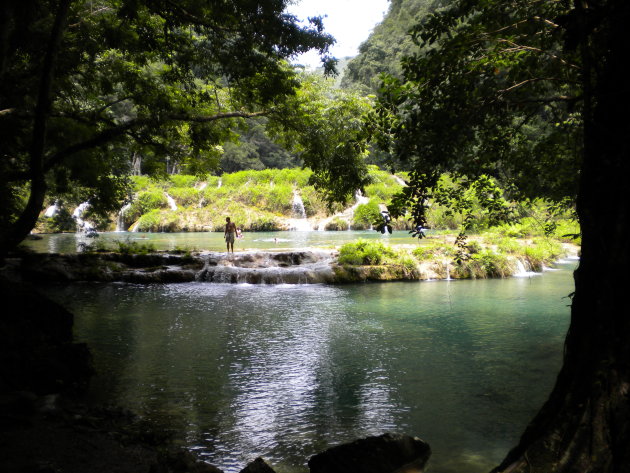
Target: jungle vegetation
(530, 95)
(513, 100)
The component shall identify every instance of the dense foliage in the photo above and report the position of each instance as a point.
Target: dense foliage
(528, 94)
(389, 41)
(85, 85)
(491, 97)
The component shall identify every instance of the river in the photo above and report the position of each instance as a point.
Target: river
(240, 371)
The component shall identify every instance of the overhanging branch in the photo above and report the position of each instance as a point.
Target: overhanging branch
(111, 133)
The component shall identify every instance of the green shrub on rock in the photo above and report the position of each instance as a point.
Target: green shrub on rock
(365, 252)
(365, 215)
(337, 224)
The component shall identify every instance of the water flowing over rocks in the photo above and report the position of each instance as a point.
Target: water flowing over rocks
(290, 267)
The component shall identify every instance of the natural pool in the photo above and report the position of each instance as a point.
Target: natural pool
(213, 241)
(239, 371)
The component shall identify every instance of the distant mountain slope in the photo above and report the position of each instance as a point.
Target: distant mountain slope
(389, 41)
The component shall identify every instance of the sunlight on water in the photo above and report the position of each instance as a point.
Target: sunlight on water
(213, 241)
(240, 371)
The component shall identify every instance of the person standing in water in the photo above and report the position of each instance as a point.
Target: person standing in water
(230, 234)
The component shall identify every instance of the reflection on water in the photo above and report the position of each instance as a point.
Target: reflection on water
(240, 371)
(212, 241)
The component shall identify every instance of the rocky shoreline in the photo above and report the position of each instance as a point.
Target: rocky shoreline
(308, 266)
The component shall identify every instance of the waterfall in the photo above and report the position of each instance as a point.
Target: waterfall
(347, 214)
(360, 200)
(296, 267)
(52, 210)
(399, 180)
(83, 226)
(219, 183)
(201, 186)
(298, 206)
(299, 221)
(171, 202)
(120, 221)
(522, 271)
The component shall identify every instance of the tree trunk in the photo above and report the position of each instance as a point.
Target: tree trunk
(585, 424)
(12, 236)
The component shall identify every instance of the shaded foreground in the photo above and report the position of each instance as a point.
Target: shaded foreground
(46, 427)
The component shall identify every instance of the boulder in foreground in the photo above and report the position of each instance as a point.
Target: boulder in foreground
(387, 453)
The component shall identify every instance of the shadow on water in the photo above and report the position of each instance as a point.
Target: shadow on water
(240, 371)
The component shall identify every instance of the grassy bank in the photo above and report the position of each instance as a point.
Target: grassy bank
(488, 256)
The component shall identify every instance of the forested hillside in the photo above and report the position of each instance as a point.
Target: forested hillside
(389, 41)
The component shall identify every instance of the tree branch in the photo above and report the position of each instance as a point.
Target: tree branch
(533, 79)
(520, 47)
(109, 134)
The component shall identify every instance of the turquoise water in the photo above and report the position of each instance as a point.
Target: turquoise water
(240, 371)
(213, 241)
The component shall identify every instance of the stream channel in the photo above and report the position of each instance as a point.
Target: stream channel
(238, 371)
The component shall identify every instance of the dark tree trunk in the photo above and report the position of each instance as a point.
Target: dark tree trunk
(12, 236)
(585, 425)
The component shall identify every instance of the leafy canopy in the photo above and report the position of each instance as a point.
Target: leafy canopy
(85, 84)
(490, 96)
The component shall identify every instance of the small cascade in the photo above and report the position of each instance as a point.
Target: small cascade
(201, 186)
(522, 271)
(297, 267)
(121, 224)
(360, 199)
(299, 221)
(219, 184)
(400, 180)
(347, 214)
(171, 202)
(52, 210)
(83, 226)
(298, 206)
(448, 272)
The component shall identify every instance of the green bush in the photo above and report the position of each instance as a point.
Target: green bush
(183, 180)
(134, 248)
(280, 199)
(149, 222)
(568, 230)
(510, 246)
(146, 201)
(433, 250)
(185, 196)
(484, 264)
(439, 217)
(541, 252)
(337, 224)
(141, 182)
(365, 252)
(365, 215)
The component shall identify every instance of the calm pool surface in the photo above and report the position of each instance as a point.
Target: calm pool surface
(240, 371)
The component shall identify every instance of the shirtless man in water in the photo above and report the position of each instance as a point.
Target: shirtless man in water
(230, 233)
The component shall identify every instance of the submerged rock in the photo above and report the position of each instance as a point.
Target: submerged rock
(387, 453)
